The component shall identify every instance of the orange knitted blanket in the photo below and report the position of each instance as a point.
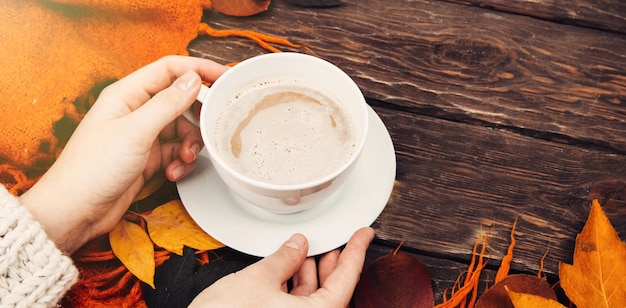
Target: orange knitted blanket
(53, 52)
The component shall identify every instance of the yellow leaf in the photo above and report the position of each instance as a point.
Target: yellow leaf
(171, 228)
(152, 185)
(134, 249)
(523, 300)
(596, 279)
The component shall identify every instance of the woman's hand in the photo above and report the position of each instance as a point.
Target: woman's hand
(132, 131)
(263, 284)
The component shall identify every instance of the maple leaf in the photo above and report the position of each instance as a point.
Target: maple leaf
(525, 300)
(134, 249)
(596, 279)
(171, 228)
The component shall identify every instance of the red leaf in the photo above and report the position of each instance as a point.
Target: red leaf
(395, 280)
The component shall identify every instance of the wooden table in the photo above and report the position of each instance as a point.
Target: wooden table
(497, 109)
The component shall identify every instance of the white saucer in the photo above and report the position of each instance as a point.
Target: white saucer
(327, 226)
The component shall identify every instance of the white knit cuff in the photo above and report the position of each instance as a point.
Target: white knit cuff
(33, 271)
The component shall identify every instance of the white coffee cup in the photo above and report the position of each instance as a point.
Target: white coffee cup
(312, 83)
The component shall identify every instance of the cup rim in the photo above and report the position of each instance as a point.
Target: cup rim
(216, 159)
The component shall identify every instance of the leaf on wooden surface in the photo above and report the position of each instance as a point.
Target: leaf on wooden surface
(596, 279)
(132, 246)
(525, 300)
(171, 228)
(395, 280)
(497, 295)
(240, 7)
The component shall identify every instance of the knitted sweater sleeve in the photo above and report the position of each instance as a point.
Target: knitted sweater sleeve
(33, 271)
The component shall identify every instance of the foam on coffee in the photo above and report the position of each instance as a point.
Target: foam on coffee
(284, 133)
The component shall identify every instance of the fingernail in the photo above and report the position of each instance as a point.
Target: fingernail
(195, 149)
(178, 172)
(186, 81)
(296, 241)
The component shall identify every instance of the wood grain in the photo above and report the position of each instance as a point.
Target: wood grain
(461, 63)
(600, 14)
(457, 181)
(494, 116)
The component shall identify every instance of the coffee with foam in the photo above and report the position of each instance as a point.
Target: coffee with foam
(283, 132)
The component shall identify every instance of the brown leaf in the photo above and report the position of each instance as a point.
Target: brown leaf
(240, 7)
(525, 300)
(132, 246)
(597, 278)
(171, 228)
(497, 296)
(395, 280)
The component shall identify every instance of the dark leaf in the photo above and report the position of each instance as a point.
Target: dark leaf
(173, 281)
(395, 280)
(180, 279)
(228, 263)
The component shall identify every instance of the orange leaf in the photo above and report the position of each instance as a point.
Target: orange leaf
(171, 228)
(152, 185)
(240, 7)
(525, 300)
(597, 277)
(133, 247)
(499, 295)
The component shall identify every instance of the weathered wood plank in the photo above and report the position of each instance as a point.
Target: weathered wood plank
(462, 63)
(457, 181)
(600, 14)
(474, 100)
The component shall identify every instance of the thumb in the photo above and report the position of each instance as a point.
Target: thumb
(285, 262)
(168, 104)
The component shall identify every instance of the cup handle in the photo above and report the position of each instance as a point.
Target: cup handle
(203, 95)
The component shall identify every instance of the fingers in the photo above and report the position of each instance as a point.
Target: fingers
(285, 262)
(328, 263)
(342, 281)
(305, 280)
(167, 105)
(191, 143)
(142, 84)
(178, 158)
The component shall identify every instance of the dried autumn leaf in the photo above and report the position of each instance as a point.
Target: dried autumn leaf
(596, 279)
(240, 7)
(525, 300)
(152, 185)
(171, 228)
(498, 296)
(132, 246)
(395, 280)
